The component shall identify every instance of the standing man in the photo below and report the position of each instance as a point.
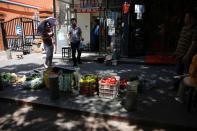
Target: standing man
(74, 35)
(187, 44)
(96, 35)
(47, 37)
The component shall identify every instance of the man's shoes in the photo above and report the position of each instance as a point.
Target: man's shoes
(45, 66)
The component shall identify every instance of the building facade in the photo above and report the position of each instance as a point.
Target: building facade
(36, 9)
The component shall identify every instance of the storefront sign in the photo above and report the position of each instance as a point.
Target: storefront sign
(78, 9)
(139, 8)
(19, 30)
(88, 3)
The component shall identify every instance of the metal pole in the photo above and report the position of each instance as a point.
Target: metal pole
(99, 30)
(32, 23)
(23, 34)
(54, 14)
(54, 8)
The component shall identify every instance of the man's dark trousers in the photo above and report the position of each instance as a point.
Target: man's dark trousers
(74, 48)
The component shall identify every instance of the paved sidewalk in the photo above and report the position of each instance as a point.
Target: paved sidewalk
(156, 103)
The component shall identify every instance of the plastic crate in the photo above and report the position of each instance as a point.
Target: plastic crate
(108, 90)
(87, 88)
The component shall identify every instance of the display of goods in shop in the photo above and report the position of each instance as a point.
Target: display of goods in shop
(108, 87)
(88, 84)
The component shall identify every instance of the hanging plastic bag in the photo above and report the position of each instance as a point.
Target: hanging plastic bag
(82, 44)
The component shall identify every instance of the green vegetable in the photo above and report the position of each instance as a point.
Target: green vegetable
(32, 77)
(8, 76)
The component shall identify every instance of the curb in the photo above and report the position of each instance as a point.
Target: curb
(132, 120)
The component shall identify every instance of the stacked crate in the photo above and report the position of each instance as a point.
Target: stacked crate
(109, 90)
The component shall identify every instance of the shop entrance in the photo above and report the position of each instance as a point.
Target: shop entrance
(64, 14)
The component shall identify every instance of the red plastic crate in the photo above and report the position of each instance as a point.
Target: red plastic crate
(159, 59)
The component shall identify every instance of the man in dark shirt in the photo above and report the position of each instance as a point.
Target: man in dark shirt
(74, 35)
(187, 44)
(48, 44)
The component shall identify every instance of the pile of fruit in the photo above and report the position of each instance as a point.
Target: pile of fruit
(123, 83)
(109, 80)
(123, 88)
(88, 79)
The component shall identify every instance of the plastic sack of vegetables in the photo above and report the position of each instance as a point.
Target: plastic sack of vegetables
(46, 76)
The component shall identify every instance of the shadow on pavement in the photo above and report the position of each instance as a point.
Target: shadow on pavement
(30, 118)
(156, 102)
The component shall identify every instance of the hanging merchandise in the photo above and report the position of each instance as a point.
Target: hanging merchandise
(139, 9)
(125, 7)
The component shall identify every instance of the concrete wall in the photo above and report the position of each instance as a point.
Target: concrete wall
(83, 20)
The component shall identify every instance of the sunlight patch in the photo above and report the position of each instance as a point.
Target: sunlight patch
(20, 115)
(65, 125)
(32, 98)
